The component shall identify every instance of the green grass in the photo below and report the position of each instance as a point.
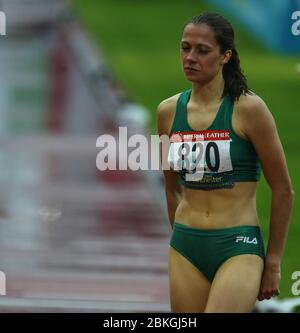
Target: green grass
(140, 40)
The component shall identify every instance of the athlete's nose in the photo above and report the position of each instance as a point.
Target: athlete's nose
(191, 57)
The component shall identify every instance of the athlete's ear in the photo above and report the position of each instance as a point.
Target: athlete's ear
(226, 57)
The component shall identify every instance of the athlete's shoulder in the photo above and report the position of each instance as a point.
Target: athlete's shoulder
(250, 101)
(253, 113)
(168, 104)
(165, 113)
(251, 105)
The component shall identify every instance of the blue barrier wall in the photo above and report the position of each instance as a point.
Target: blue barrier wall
(270, 21)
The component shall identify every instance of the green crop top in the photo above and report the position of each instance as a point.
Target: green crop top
(214, 158)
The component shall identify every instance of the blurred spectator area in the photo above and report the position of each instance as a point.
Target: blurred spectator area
(71, 237)
(22, 14)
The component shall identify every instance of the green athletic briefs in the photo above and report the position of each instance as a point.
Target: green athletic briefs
(208, 249)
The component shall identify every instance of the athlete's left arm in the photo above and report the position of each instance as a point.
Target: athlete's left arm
(260, 128)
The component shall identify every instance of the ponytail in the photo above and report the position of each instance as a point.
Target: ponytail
(235, 80)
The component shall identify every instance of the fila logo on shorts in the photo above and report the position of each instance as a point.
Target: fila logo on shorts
(245, 239)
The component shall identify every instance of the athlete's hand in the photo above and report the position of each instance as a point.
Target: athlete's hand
(270, 282)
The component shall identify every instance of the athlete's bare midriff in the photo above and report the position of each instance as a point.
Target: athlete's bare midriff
(220, 208)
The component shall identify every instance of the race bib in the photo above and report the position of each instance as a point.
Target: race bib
(198, 153)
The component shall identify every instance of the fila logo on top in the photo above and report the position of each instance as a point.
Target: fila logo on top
(245, 239)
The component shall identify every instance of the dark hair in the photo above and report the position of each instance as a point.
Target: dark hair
(235, 80)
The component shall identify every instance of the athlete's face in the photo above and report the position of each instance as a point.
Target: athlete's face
(200, 53)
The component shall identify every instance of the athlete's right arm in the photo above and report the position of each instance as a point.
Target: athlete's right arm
(173, 189)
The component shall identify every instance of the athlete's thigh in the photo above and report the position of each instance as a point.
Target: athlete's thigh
(189, 288)
(236, 285)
